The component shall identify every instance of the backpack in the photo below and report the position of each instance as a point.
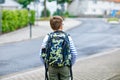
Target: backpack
(57, 51)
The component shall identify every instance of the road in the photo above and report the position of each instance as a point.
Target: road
(91, 37)
(95, 35)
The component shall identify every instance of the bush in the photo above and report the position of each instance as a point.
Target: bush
(64, 14)
(15, 19)
(22, 18)
(112, 19)
(100, 16)
(47, 13)
(9, 21)
(58, 12)
(32, 17)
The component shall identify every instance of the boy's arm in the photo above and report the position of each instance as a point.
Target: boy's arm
(43, 46)
(73, 50)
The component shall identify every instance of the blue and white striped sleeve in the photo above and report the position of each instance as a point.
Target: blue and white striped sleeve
(43, 45)
(73, 50)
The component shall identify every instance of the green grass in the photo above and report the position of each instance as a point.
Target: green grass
(44, 19)
(113, 19)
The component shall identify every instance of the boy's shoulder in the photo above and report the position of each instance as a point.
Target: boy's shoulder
(57, 32)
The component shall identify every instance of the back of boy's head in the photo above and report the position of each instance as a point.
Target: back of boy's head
(56, 22)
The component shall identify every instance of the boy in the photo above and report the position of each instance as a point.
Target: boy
(58, 69)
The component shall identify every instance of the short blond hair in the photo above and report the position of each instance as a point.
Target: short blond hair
(56, 22)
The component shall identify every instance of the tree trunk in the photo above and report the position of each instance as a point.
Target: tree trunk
(45, 10)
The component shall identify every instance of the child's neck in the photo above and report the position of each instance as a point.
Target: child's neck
(58, 30)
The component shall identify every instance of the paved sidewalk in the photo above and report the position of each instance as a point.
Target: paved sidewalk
(41, 28)
(103, 66)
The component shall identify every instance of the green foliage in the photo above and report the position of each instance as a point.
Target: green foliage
(50, 0)
(55, 13)
(69, 1)
(32, 17)
(8, 19)
(113, 19)
(58, 12)
(100, 16)
(23, 18)
(47, 13)
(61, 1)
(64, 14)
(15, 19)
(24, 2)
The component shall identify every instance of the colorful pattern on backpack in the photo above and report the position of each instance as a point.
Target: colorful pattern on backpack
(57, 50)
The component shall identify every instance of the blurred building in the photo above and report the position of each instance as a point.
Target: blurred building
(10, 4)
(93, 7)
(114, 1)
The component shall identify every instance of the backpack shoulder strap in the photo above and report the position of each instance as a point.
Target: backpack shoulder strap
(49, 36)
(66, 36)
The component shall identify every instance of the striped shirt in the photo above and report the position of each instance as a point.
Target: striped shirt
(72, 48)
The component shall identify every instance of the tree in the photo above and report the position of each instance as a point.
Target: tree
(45, 9)
(58, 2)
(61, 1)
(24, 2)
